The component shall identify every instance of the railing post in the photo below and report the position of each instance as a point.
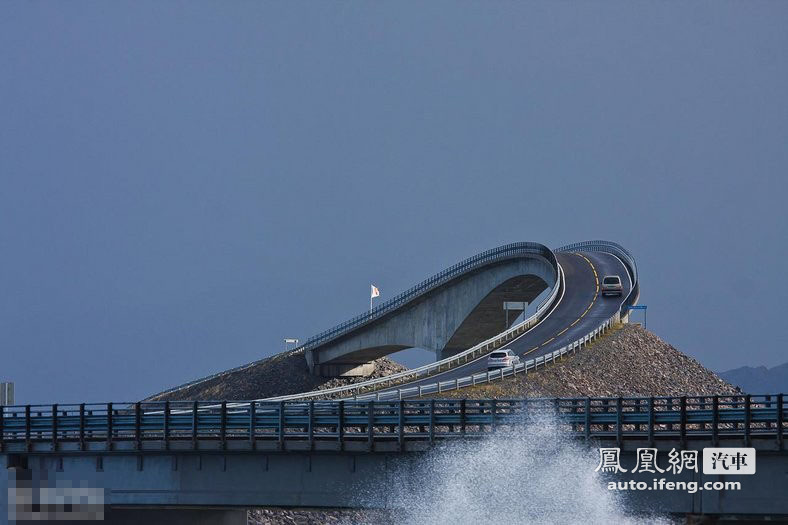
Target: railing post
(311, 432)
(109, 425)
(370, 423)
(54, 427)
(281, 429)
(462, 416)
(401, 424)
(223, 425)
(651, 421)
(341, 424)
(747, 419)
(779, 422)
(166, 427)
(683, 422)
(587, 408)
(432, 421)
(252, 423)
(715, 418)
(81, 425)
(619, 418)
(195, 421)
(2, 431)
(27, 428)
(493, 410)
(137, 429)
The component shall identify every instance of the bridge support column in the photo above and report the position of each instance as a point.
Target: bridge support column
(172, 516)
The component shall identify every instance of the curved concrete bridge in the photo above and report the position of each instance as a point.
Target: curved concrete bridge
(460, 309)
(447, 313)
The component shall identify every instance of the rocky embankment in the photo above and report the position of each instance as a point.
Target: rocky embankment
(630, 361)
(280, 516)
(282, 374)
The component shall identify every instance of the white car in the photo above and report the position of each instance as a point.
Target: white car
(611, 285)
(502, 359)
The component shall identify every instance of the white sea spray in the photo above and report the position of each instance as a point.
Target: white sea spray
(532, 472)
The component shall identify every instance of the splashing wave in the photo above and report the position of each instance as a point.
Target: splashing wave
(531, 473)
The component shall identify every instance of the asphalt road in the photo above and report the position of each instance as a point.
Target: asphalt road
(582, 308)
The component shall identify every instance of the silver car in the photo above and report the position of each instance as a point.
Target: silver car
(611, 285)
(502, 359)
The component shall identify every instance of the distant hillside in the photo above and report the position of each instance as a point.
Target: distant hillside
(759, 380)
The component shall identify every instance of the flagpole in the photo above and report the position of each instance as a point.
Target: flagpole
(373, 292)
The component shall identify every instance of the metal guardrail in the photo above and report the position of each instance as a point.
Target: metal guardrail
(508, 251)
(485, 377)
(157, 426)
(622, 253)
(533, 364)
(494, 375)
(430, 369)
(500, 253)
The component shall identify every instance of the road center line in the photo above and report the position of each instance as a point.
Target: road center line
(596, 294)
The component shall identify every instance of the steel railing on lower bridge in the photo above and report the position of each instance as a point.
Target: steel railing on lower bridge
(157, 426)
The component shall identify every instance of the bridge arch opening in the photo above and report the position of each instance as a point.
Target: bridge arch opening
(489, 318)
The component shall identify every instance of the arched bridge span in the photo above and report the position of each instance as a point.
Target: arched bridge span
(447, 313)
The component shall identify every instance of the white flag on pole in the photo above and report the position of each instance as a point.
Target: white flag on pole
(374, 292)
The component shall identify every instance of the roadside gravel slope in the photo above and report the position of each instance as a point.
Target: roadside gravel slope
(630, 361)
(282, 374)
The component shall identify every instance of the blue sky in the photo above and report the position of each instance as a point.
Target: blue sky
(184, 184)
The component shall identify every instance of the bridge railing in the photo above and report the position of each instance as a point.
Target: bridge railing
(500, 253)
(623, 254)
(531, 364)
(430, 369)
(158, 425)
(507, 251)
(497, 374)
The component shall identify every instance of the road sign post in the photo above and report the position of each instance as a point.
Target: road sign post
(513, 305)
(640, 307)
(6, 394)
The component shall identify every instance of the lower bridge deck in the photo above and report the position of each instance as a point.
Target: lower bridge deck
(204, 426)
(162, 460)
